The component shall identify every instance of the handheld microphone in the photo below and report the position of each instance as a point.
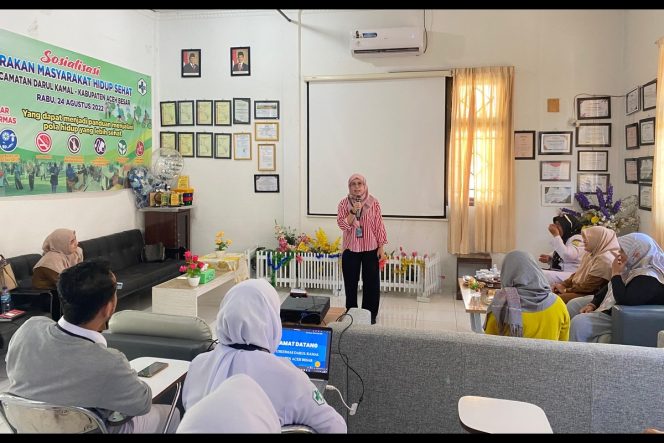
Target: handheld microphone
(358, 214)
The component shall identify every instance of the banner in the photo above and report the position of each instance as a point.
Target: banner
(68, 122)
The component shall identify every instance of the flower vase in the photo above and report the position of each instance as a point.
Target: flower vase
(220, 254)
(194, 281)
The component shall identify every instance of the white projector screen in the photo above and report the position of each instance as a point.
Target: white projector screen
(392, 131)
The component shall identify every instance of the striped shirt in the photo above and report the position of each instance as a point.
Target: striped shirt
(373, 229)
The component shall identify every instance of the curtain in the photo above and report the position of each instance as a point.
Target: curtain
(481, 142)
(658, 195)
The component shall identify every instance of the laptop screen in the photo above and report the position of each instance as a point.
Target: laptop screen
(308, 348)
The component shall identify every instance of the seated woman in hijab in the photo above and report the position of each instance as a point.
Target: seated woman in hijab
(237, 406)
(249, 331)
(595, 269)
(61, 251)
(568, 248)
(525, 306)
(637, 278)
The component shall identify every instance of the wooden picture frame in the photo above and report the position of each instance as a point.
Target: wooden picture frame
(631, 170)
(186, 144)
(647, 131)
(204, 112)
(267, 157)
(168, 140)
(590, 108)
(645, 169)
(649, 95)
(266, 131)
(590, 135)
(633, 101)
(592, 161)
(555, 171)
(190, 63)
(204, 144)
(242, 146)
(186, 113)
(557, 195)
(632, 136)
(266, 182)
(524, 145)
(223, 113)
(555, 143)
(587, 183)
(266, 109)
(223, 145)
(241, 111)
(168, 113)
(645, 196)
(240, 60)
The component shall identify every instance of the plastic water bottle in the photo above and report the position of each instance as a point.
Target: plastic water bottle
(6, 300)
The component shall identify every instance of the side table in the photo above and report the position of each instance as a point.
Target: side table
(474, 261)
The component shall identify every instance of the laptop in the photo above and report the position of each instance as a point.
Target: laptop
(308, 348)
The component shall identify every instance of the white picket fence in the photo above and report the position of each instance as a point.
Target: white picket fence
(322, 271)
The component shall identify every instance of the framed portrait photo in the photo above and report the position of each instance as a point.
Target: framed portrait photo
(242, 145)
(631, 170)
(204, 112)
(633, 101)
(168, 113)
(555, 171)
(186, 113)
(555, 143)
(524, 145)
(223, 146)
(647, 131)
(266, 109)
(266, 131)
(593, 135)
(588, 108)
(645, 168)
(645, 197)
(241, 111)
(593, 161)
(632, 136)
(588, 183)
(267, 158)
(190, 62)
(649, 95)
(168, 140)
(186, 144)
(557, 195)
(204, 144)
(240, 61)
(222, 113)
(266, 182)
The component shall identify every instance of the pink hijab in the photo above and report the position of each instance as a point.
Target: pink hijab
(56, 251)
(366, 199)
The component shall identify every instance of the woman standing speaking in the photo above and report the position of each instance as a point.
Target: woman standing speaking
(361, 221)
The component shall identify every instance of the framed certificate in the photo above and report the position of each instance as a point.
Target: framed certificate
(593, 161)
(204, 144)
(222, 146)
(266, 182)
(632, 136)
(644, 169)
(555, 143)
(241, 111)
(556, 171)
(267, 131)
(593, 135)
(222, 113)
(631, 170)
(588, 183)
(557, 195)
(186, 113)
(647, 131)
(645, 196)
(266, 110)
(524, 145)
(168, 140)
(633, 101)
(588, 108)
(204, 112)
(168, 113)
(649, 95)
(186, 144)
(242, 143)
(266, 158)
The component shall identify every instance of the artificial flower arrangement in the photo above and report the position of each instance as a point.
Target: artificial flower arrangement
(192, 267)
(621, 215)
(220, 243)
(407, 260)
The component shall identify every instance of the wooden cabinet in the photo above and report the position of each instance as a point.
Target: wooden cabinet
(171, 226)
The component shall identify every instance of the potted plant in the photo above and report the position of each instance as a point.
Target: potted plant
(193, 268)
(221, 245)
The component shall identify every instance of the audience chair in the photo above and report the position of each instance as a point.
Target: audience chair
(30, 416)
(297, 429)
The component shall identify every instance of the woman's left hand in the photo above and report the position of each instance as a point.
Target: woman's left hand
(618, 265)
(380, 252)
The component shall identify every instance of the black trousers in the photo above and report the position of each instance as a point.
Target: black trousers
(351, 262)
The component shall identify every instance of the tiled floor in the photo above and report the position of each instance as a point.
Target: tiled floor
(397, 310)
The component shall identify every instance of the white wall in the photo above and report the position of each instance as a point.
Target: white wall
(122, 37)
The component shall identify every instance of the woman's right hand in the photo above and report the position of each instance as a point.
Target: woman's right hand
(544, 258)
(587, 308)
(558, 288)
(553, 229)
(357, 206)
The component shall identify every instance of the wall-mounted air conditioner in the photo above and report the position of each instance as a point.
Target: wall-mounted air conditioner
(387, 41)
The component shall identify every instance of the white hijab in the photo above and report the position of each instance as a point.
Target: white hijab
(238, 405)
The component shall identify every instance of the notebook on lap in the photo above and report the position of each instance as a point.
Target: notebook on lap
(308, 348)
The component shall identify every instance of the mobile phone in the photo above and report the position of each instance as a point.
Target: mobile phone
(152, 369)
(118, 285)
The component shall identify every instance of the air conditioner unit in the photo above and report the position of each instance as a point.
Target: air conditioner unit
(387, 41)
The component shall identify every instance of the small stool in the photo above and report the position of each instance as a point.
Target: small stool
(498, 416)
